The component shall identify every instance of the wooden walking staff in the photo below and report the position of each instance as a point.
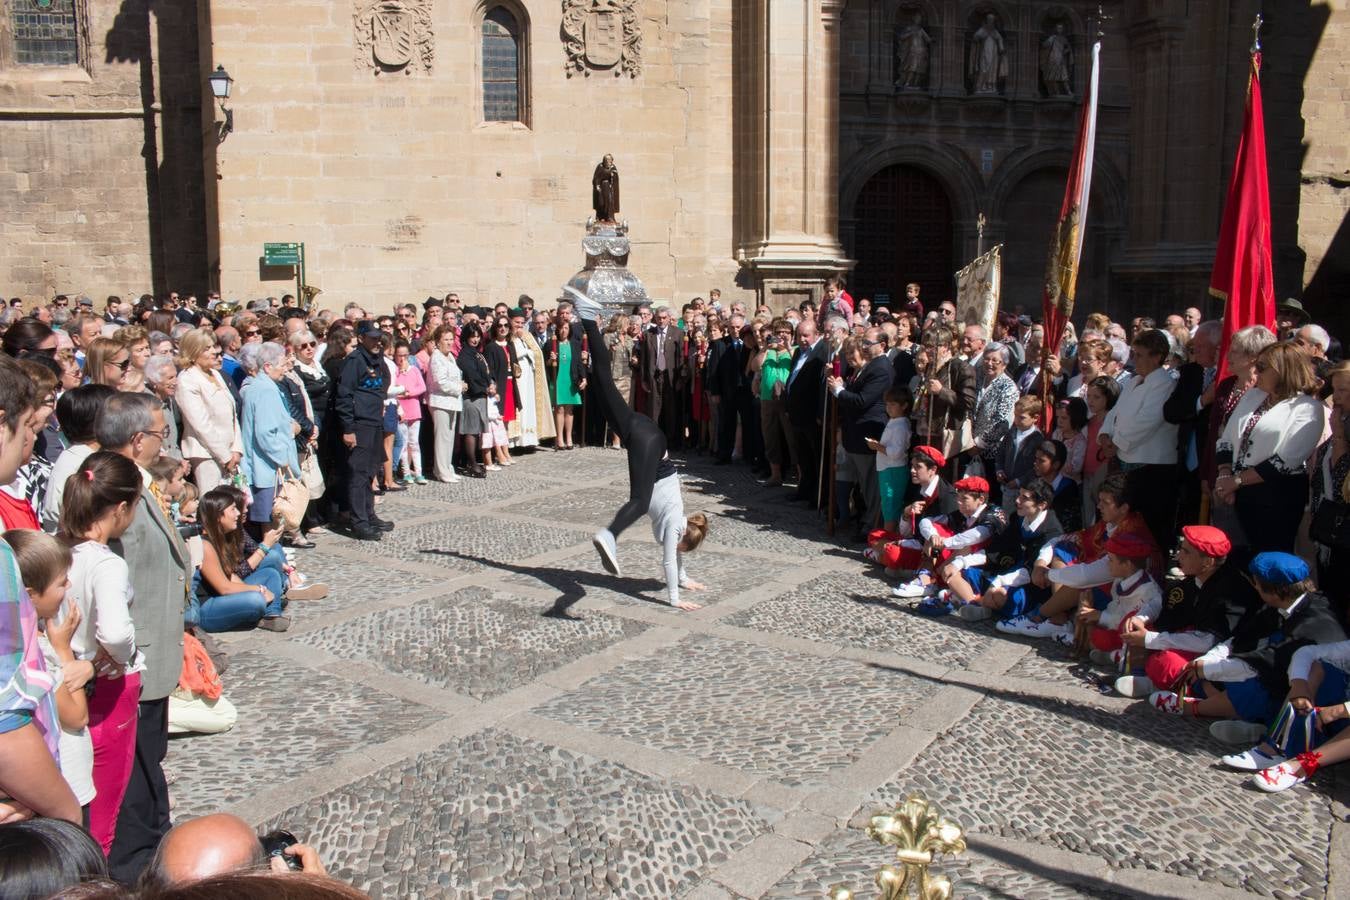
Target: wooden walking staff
(585, 365)
(833, 421)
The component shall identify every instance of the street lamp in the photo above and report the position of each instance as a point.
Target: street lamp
(221, 82)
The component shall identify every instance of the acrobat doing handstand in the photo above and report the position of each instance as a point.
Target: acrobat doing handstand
(653, 483)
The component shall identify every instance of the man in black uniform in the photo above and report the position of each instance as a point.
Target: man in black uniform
(362, 387)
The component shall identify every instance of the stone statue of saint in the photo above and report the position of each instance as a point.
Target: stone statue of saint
(1056, 60)
(605, 191)
(912, 55)
(988, 57)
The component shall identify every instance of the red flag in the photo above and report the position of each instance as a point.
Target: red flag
(1243, 277)
(1066, 244)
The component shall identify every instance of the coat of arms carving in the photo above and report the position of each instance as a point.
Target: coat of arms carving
(601, 35)
(394, 36)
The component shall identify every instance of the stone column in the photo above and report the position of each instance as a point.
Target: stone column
(788, 207)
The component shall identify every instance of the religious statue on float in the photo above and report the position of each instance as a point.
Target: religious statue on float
(605, 191)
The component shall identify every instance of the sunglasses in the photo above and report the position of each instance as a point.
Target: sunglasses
(123, 365)
(252, 332)
(309, 345)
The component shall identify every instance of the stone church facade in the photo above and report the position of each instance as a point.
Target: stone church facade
(422, 146)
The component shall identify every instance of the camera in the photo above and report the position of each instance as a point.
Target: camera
(189, 530)
(274, 843)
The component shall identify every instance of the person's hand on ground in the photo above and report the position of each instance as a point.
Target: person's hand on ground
(692, 585)
(687, 606)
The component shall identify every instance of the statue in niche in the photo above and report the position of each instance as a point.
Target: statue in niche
(988, 57)
(912, 55)
(1056, 63)
(605, 191)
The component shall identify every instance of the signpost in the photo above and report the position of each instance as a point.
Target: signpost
(289, 254)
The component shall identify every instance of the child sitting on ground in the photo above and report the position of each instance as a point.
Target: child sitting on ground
(1003, 585)
(1134, 595)
(893, 458)
(1244, 676)
(929, 495)
(962, 534)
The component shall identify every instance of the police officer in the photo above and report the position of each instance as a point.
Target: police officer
(359, 402)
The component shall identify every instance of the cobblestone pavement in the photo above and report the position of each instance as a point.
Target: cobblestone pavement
(479, 710)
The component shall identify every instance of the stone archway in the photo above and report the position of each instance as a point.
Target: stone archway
(903, 232)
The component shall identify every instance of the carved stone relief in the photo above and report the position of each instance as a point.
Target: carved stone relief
(602, 35)
(394, 36)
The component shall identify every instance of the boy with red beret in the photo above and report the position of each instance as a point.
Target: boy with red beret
(961, 535)
(1199, 610)
(1134, 593)
(929, 495)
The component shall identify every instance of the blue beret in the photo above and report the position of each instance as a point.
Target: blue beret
(1278, 568)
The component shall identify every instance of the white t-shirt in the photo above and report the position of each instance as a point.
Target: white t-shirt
(895, 444)
(77, 750)
(100, 584)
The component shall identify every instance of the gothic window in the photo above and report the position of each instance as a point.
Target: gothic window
(505, 50)
(45, 32)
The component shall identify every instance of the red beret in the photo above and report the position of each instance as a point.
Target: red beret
(1129, 545)
(972, 485)
(1208, 540)
(932, 453)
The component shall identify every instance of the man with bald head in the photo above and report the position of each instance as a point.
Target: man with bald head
(216, 845)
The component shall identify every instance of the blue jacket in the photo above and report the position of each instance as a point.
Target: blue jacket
(265, 425)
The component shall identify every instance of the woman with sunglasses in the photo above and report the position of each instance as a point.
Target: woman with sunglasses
(107, 362)
(212, 443)
(29, 337)
(504, 367)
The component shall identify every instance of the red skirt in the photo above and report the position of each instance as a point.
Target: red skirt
(509, 401)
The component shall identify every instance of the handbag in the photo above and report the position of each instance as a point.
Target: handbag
(311, 475)
(1331, 523)
(290, 501)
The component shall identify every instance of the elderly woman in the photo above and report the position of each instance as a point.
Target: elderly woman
(994, 404)
(268, 429)
(137, 341)
(161, 344)
(107, 362)
(1263, 452)
(161, 379)
(211, 441)
(444, 389)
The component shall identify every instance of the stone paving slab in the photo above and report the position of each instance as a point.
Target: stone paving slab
(473, 543)
(854, 609)
(1137, 789)
(351, 581)
(850, 857)
(643, 580)
(290, 720)
(794, 717)
(794, 534)
(475, 641)
(593, 507)
(495, 815)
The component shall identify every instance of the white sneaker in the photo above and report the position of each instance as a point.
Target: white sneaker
(1015, 625)
(974, 612)
(1239, 734)
(1048, 629)
(493, 467)
(608, 549)
(1134, 686)
(1287, 774)
(1251, 760)
(913, 590)
(1170, 702)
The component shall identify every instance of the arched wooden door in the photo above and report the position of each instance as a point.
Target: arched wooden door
(904, 234)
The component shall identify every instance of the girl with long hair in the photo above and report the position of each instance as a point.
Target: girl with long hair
(228, 600)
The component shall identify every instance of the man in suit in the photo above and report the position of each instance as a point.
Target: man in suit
(662, 368)
(133, 425)
(730, 382)
(1188, 409)
(804, 391)
(862, 416)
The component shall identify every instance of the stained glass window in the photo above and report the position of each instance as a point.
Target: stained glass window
(45, 32)
(501, 66)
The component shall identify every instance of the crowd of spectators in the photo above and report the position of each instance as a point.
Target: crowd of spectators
(1168, 523)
